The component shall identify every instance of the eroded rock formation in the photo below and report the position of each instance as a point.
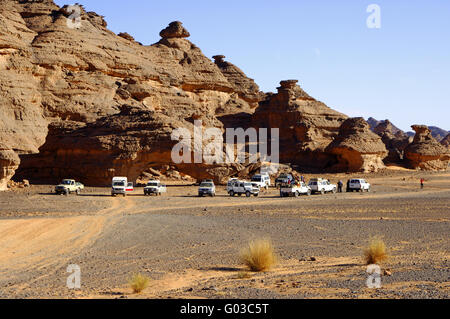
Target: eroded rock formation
(425, 152)
(357, 148)
(306, 125)
(446, 141)
(72, 80)
(395, 140)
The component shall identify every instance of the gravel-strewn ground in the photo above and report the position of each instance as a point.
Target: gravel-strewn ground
(189, 246)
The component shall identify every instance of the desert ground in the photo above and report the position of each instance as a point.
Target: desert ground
(189, 246)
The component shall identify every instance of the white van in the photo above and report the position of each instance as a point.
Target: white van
(262, 180)
(120, 185)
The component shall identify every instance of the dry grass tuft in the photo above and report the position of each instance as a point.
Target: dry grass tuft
(259, 255)
(138, 283)
(375, 252)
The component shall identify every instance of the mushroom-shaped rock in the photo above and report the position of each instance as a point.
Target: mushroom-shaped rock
(425, 152)
(174, 30)
(357, 148)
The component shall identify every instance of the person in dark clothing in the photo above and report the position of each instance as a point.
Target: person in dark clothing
(348, 186)
(340, 185)
(422, 181)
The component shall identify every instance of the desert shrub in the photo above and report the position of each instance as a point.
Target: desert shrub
(138, 283)
(259, 255)
(375, 252)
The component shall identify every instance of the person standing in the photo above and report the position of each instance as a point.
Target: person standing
(340, 185)
(422, 181)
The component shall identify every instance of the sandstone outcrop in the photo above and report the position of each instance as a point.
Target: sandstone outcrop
(395, 141)
(60, 83)
(425, 152)
(446, 141)
(9, 162)
(357, 148)
(306, 125)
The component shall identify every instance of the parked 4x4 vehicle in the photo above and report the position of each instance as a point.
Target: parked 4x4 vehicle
(154, 187)
(294, 189)
(358, 185)
(240, 187)
(262, 180)
(68, 186)
(207, 188)
(320, 185)
(283, 179)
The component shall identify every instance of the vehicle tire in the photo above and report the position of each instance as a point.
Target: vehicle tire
(322, 192)
(256, 195)
(368, 190)
(232, 193)
(239, 194)
(248, 194)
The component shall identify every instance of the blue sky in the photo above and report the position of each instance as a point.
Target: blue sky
(400, 71)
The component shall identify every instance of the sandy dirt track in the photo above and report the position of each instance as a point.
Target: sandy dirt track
(189, 246)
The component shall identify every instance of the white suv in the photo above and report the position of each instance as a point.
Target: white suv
(320, 185)
(240, 187)
(358, 185)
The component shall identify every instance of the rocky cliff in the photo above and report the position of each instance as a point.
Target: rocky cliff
(79, 101)
(307, 126)
(395, 141)
(64, 90)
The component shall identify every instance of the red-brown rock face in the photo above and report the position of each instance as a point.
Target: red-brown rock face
(357, 148)
(425, 152)
(76, 81)
(306, 125)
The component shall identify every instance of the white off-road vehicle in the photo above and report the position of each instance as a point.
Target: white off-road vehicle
(358, 185)
(320, 185)
(68, 186)
(155, 187)
(207, 188)
(294, 189)
(262, 180)
(241, 187)
(121, 186)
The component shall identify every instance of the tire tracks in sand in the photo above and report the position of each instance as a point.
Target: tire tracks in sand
(36, 244)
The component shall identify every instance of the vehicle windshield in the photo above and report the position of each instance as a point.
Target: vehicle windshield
(206, 185)
(312, 183)
(283, 176)
(66, 182)
(256, 178)
(247, 185)
(119, 184)
(152, 184)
